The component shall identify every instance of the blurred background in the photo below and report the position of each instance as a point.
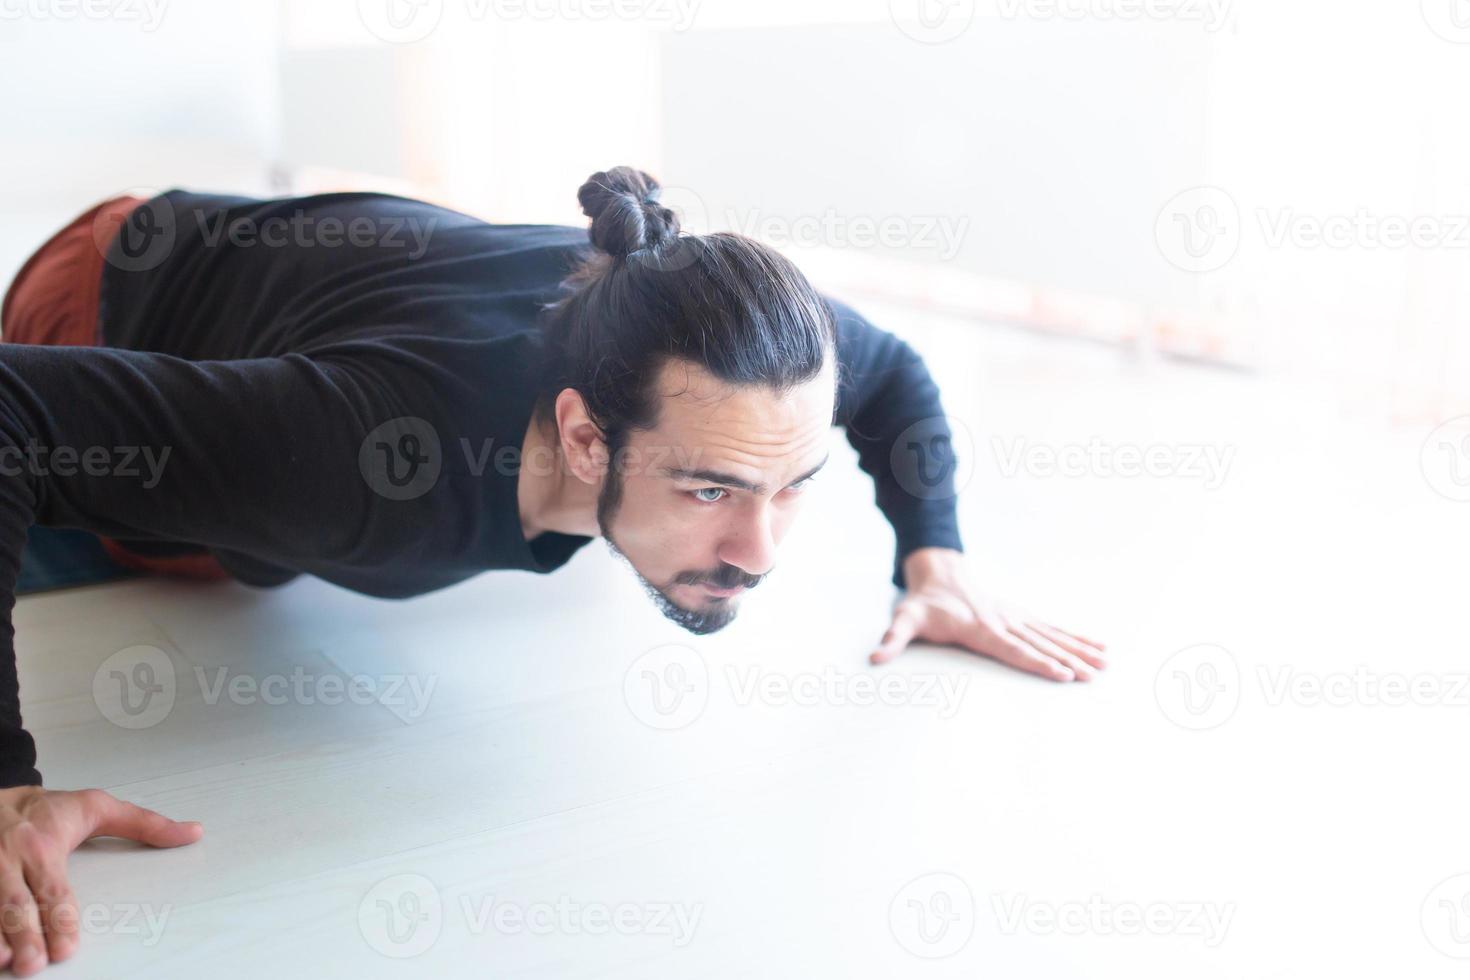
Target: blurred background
(1272, 187)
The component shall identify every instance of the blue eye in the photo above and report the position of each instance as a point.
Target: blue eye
(718, 491)
(798, 487)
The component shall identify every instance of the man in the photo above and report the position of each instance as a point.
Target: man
(395, 397)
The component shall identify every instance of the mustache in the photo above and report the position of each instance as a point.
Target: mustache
(724, 577)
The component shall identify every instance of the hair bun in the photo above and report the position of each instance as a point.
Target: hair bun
(626, 216)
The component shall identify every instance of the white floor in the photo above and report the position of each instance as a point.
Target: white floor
(528, 811)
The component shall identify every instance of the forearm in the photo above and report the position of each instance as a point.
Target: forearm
(244, 455)
(891, 408)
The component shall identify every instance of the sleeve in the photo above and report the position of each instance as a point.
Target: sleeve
(258, 455)
(890, 408)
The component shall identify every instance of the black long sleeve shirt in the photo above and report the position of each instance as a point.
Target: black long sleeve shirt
(250, 348)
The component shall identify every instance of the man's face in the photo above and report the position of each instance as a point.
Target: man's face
(698, 505)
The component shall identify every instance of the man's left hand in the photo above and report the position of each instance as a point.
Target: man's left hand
(940, 606)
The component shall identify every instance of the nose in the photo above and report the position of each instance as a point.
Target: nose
(751, 546)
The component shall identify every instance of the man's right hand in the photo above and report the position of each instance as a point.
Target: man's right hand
(39, 828)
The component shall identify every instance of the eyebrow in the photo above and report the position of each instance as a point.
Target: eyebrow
(729, 480)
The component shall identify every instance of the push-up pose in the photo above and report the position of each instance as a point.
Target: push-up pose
(395, 397)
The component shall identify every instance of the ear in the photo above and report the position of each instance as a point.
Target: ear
(581, 440)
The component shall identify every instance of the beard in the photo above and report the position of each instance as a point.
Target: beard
(708, 619)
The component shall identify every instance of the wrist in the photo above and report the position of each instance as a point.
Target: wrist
(929, 566)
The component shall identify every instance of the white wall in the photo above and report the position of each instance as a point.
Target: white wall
(151, 96)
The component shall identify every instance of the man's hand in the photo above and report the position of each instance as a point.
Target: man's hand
(941, 607)
(39, 828)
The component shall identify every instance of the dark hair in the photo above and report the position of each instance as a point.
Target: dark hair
(648, 294)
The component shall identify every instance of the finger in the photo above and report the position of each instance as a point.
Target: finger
(993, 641)
(1082, 639)
(900, 634)
(118, 818)
(57, 906)
(1086, 650)
(20, 923)
(1079, 667)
